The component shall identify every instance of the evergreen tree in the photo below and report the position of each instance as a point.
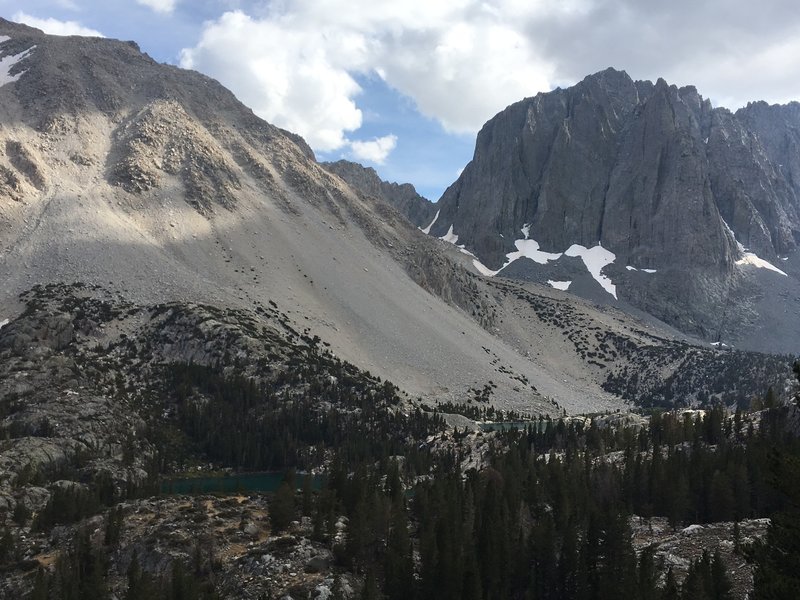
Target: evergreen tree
(371, 591)
(282, 510)
(647, 575)
(7, 546)
(399, 568)
(777, 573)
(114, 520)
(671, 590)
(721, 585)
(308, 496)
(40, 586)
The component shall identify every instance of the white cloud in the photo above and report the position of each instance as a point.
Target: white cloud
(159, 6)
(297, 63)
(376, 150)
(285, 73)
(731, 52)
(54, 26)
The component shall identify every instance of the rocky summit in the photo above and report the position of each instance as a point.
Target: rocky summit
(420, 211)
(689, 212)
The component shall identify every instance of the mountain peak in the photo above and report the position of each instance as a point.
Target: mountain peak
(11, 28)
(403, 196)
(649, 172)
(610, 77)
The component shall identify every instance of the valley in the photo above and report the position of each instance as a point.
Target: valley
(532, 388)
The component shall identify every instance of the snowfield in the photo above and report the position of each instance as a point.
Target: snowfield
(595, 258)
(528, 248)
(427, 230)
(7, 63)
(450, 237)
(750, 258)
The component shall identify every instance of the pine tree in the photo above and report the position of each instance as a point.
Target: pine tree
(7, 546)
(471, 586)
(40, 586)
(282, 510)
(370, 591)
(721, 585)
(647, 575)
(671, 590)
(135, 591)
(398, 565)
(308, 496)
(114, 520)
(696, 585)
(777, 573)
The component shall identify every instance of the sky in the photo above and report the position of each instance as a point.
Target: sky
(404, 86)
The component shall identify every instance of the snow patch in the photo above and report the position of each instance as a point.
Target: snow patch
(630, 268)
(483, 269)
(749, 258)
(530, 249)
(450, 236)
(3, 323)
(719, 344)
(427, 230)
(4, 38)
(559, 285)
(8, 62)
(596, 259)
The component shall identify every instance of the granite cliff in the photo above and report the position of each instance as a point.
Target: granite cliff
(688, 199)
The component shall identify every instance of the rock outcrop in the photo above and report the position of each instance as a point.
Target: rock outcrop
(403, 196)
(652, 173)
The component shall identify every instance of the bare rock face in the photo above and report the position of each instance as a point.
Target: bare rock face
(545, 161)
(609, 161)
(25, 163)
(659, 210)
(648, 171)
(163, 140)
(753, 197)
(420, 211)
(166, 125)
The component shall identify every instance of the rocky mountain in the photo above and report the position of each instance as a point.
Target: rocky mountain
(673, 206)
(190, 299)
(157, 184)
(420, 211)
